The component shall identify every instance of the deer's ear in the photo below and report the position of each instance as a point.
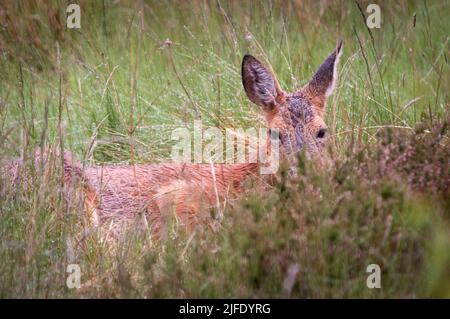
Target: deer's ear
(259, 84)
(324, 80)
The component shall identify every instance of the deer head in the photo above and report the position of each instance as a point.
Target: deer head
(298, 116)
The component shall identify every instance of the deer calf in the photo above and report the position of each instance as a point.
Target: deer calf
(121, 191)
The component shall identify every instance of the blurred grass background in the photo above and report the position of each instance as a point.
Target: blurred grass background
(112, 91)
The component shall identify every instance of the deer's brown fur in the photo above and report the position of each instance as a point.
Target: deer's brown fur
(159, 189)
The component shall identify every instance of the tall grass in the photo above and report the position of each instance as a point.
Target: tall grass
(112, 91)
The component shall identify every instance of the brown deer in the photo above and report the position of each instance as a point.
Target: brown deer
(121, 192)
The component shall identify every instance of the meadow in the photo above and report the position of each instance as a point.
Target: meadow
(113, 90)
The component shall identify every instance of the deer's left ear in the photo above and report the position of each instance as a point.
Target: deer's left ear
(324, 80)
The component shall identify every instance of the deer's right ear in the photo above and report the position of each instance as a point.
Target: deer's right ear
(259, 84)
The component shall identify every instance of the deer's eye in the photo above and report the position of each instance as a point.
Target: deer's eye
(321, 133)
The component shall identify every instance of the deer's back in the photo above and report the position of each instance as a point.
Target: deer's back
(126, 190)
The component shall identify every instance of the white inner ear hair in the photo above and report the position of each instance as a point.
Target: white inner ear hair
(331, 87)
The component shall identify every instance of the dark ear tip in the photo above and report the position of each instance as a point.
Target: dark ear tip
(247, 57)
(339, 45)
